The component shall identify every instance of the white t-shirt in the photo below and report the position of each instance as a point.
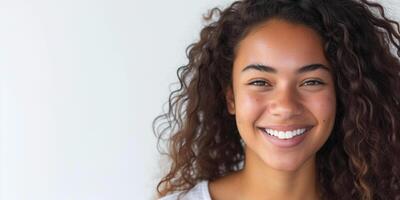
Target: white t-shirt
(198, 192)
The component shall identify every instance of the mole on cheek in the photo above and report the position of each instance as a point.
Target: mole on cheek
(253, 101)
(257, 100)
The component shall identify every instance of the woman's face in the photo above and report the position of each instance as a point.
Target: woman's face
(283, 94)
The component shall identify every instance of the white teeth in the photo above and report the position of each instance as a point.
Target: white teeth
(285, 134)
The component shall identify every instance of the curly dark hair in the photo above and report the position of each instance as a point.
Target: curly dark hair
(360, 161)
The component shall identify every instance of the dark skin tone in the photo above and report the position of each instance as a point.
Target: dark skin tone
(280, 77)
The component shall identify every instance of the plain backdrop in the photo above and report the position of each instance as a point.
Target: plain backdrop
(80, 83)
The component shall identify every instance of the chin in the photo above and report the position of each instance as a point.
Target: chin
(288, 167)
(286, 164)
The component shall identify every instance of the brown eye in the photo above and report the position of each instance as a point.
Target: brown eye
(259, 83)
(313, 82)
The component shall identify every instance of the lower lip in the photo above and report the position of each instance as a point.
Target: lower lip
(285, 143)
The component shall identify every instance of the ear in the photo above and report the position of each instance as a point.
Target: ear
(230, 100)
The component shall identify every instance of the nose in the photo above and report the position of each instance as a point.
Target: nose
(285, 104)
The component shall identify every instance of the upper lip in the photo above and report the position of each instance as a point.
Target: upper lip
(286, 127)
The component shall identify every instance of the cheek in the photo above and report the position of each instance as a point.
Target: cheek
(323, 107)
(249, 107)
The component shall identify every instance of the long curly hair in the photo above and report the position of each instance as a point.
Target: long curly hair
(359, 161)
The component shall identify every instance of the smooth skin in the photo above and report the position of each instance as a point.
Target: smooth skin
(289, 94)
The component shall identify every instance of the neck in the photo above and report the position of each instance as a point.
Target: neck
(259, 181)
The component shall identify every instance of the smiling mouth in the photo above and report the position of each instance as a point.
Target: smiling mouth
(287, 134)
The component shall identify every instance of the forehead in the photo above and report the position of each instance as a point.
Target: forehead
(280, 44)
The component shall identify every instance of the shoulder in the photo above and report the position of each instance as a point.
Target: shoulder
(198, 192)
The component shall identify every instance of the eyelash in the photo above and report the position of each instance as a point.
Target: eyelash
(315, 81)
(257, 83)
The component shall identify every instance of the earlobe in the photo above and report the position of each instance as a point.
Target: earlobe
(230, 101)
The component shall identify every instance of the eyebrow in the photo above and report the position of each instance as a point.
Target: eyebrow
(304, 69)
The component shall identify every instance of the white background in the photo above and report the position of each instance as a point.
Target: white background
(80, 83)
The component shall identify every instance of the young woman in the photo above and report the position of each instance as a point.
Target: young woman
(287, 99)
